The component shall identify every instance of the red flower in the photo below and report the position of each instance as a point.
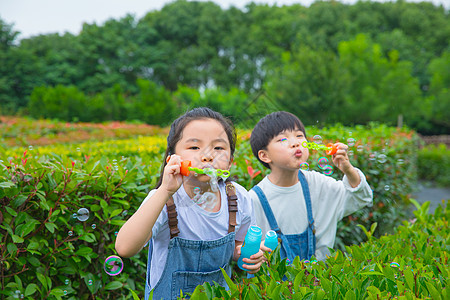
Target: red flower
(252, 172)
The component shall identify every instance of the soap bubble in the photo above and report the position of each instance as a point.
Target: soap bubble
(124, 213)
(65, 292)
(394, 264)
(372, 156)
(382, 158)
(30, 147)
(351, 142)
(400, 161)
(304, 166)
(94, 226)
(360, 148)
(317, 139)
(113, 265)
(197, 190)
(67, 281)
(328, 170)
(90, 282)
(83, 214)
(323, 161)
(74, 215)
(78, 149)
(70, 233)
(351, 153)
(387, 187)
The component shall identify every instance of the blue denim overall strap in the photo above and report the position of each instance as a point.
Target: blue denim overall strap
(190, 263)
(303, 244)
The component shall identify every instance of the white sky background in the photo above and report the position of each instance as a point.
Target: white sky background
(34, 17)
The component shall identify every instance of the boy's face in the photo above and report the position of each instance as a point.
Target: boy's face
(285, 151)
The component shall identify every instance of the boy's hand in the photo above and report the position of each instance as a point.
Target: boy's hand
(172, 178)
(341, 160)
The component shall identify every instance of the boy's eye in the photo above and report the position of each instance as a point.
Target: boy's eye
(283, 140)
(194, 148)
(219, 148)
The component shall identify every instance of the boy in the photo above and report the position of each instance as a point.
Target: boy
(303, 207)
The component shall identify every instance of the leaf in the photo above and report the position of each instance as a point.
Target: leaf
(134, 294)
(350, 295)
(42, 279)
(17, 239)
(230, 283)
(113, 285)
(115, 212)
(409, 277)
(83, 251)
(30, 289)
(11, 211)
(7, 184)
(51, 227)
(433, 291)
(19, 200)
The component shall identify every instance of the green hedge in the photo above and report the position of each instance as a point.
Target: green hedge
(413, 263)
(41, 189)
(434, 164)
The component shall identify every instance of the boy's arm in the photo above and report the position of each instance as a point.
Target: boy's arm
(341, 160)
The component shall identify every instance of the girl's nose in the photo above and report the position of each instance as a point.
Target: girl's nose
(207, 157)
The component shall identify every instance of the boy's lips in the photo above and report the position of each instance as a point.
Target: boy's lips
(298, 153)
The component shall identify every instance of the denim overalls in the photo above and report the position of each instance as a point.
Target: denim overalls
(292, 245)
(190, 263)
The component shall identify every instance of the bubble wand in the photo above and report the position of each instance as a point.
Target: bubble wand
(186, 167)
(330, 148)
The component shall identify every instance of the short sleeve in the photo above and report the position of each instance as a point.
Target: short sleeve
(245, 208)
(162, 218)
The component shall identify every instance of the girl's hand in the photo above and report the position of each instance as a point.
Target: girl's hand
(172, 178)
(253, 264)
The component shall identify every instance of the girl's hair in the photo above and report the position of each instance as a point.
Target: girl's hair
(269, 127)
(199, 113)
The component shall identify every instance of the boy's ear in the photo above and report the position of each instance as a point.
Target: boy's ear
(263, 155)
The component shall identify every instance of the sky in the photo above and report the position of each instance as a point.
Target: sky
(34, 17)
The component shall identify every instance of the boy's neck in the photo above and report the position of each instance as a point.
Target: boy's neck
(283, 178)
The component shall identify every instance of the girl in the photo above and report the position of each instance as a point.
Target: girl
(191, 237)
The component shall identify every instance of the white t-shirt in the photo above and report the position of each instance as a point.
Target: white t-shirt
(195, 223)
(331, 200)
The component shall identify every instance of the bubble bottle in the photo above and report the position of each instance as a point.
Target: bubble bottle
(251, 244)
(271, 240)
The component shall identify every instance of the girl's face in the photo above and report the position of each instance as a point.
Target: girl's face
(205, 143)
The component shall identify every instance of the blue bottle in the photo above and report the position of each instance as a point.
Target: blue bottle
(271, 240)
(251, 244)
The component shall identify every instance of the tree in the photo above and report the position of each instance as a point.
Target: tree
(310, 84)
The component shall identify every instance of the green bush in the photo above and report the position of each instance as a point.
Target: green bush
(412, 263)
(434, 164)
(42, 189)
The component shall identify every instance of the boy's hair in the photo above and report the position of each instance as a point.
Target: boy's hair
(199, 113)
(269, 127)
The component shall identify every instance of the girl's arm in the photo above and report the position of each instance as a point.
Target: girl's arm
(137, 231)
